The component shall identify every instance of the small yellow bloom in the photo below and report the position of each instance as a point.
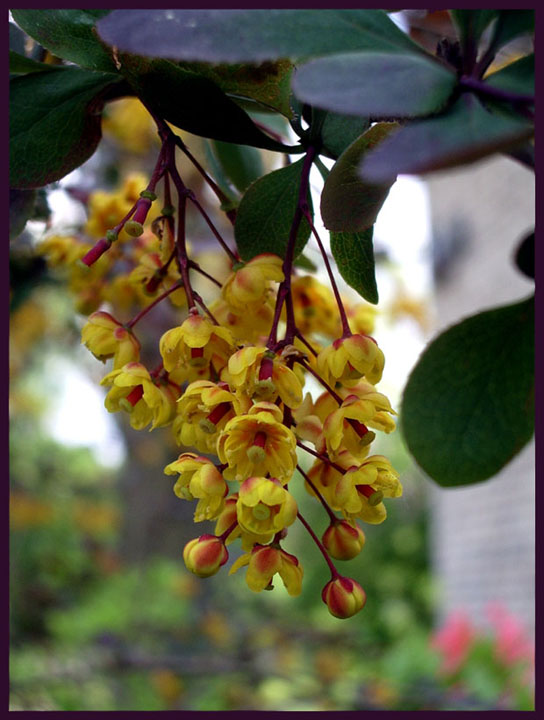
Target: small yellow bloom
(249, 286)
(258, 444)
(199, 478)
(197, 343)
(263, 375)
(106, 338)
(147, 400)
(344, 597)
(263, 562)
(362, 488)
(204, 555)
(61, 249)
(228, 517)
(314, 307)
(264, 506)
(347, 360)
(246, 326)
(203, 411)
(148, 271)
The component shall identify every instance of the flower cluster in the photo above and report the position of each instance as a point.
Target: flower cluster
(231, 383)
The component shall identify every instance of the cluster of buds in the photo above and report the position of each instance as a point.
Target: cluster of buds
(230, 383)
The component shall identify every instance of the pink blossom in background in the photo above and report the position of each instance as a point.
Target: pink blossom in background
(511, 641)
(454, 640)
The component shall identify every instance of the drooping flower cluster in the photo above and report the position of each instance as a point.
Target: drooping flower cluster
(231, 384)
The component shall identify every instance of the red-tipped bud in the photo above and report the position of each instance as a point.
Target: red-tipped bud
(344, 597)
(205, 555)
(96, 251)
(343, 541)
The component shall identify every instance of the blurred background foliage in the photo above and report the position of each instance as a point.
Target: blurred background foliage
(104, 615)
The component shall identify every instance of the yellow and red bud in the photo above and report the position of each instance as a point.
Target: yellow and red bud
(343, 541)
(204, 556)
(343, 597)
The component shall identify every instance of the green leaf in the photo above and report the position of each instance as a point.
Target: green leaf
(468, 407)
(54, 123)
(467, 132)
(518, 77)
(241, 164)
(21, 207)
(511, 24)
(348, 203)
(265, 214)
(233, 36)
(192, 102)
(268, 84)
(339, 131)
(20, 64)
(69, 34)
(472, 23)
(354, 255)
(304, 263)
(375, 84)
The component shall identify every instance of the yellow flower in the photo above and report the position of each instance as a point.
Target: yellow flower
(145, 399)
(347, 360)
(263, 562)
(264, 506)
(314, 307)
(258, 444)
(149, 270)
(362, 488)
(361, 317)
(263, 375)
(199, 478)
(197, 343)
(228, 517)
(343, 540)
(61, 249)
(130, 124)
(250, 285)
(203, 411)
(106, 338)
(245, 327)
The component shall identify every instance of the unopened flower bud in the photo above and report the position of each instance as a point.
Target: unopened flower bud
(205, 555)
(96, 251)
(343, 541)
(343, 596)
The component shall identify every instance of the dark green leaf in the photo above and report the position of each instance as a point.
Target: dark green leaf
(304, 263)
(339, 131)
(518, 77)
(232, 36)
(512, 23)
(265, 214)
(468, 407)
(218, 174)
(525, 256)
(354, 255)
(471, 23)
(54, 123)
(20, 64)
(375, 84)
(21, 207)
(348, 203)
(467, 132)
(241, 164)
(192, 102)
(268, 84)
(69, 34)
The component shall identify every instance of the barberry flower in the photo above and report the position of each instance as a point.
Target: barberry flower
(249, 285)
(196, 344)
(348, 359)
(146, 399)
(344, 597)
(263, 375)
(263, 562)
(106, 338)
(203, 411)
(204, 555)
(361, 489)
(314, 307)
(264, 506)
(245, 326)
(227, 517)
(258, 443)
(199, 478)
(343, 540)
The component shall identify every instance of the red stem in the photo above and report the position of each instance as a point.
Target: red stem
(143, 312)
(321, 457)
(319, 495)
(334, 571)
